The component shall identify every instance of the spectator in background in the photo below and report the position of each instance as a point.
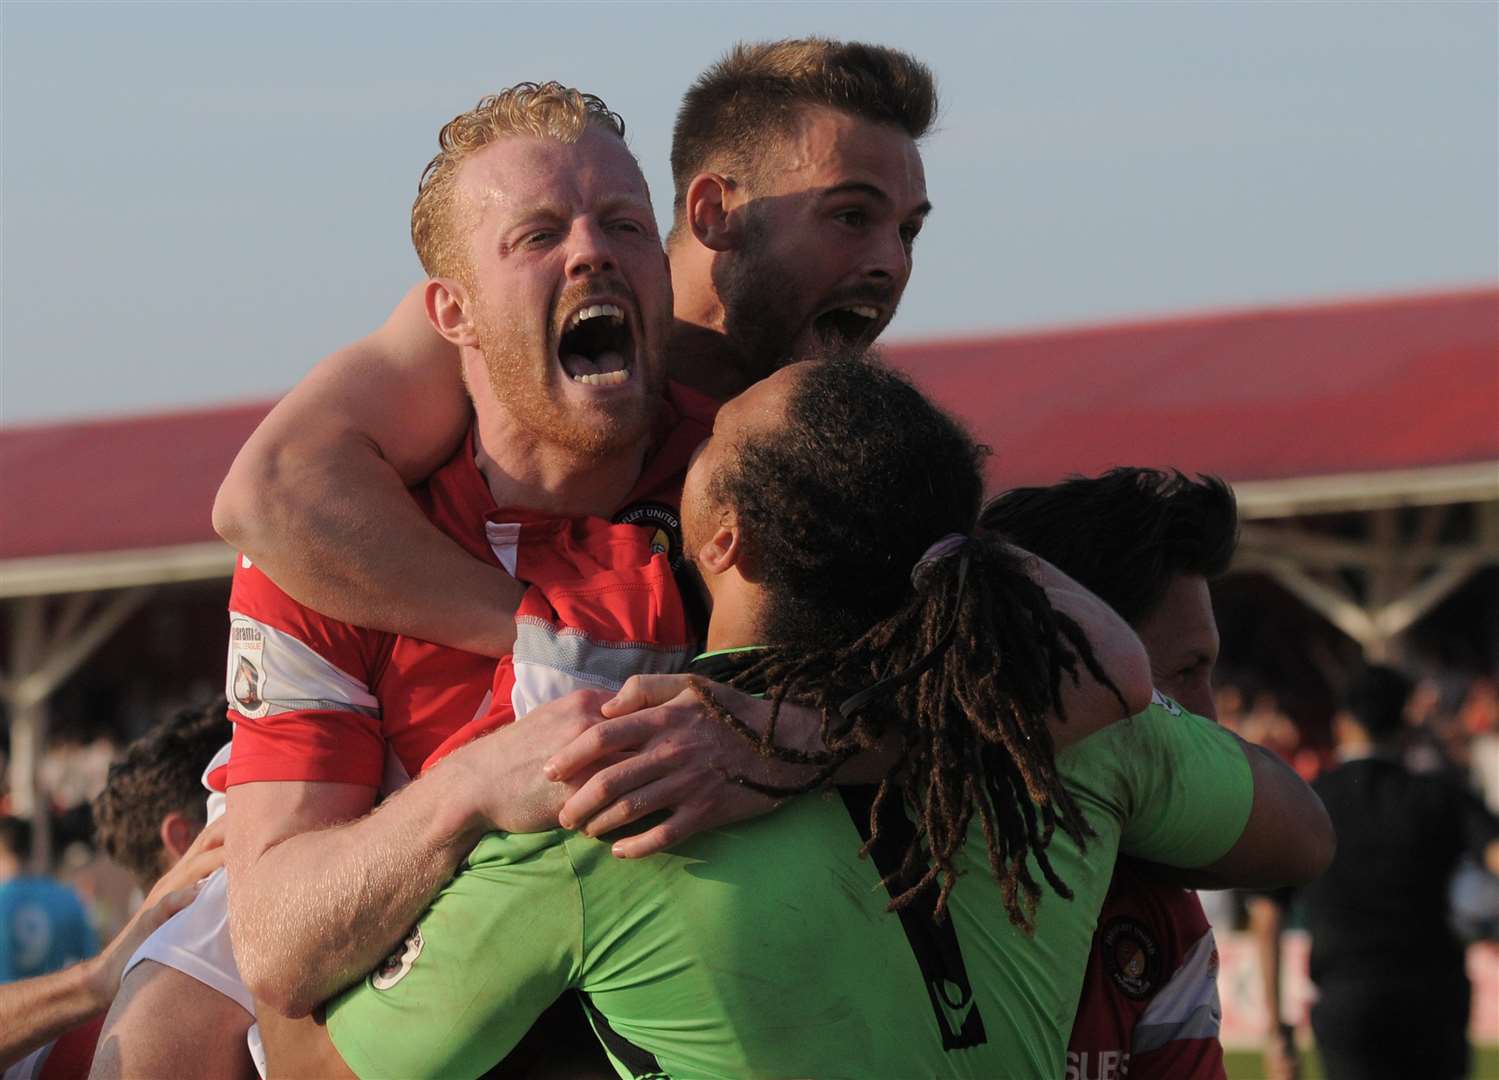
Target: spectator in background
(149, 819)
(43, 926)
(1432, 739)
(1480, 718)
(153, 803)
(73, 769)
(1393, 995)
(1147, 543)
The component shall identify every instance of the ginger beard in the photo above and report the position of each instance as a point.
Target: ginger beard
(528, 375)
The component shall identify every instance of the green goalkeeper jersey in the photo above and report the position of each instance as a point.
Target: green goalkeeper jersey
(766, 950)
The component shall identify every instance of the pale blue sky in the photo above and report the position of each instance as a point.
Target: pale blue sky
(199, 200)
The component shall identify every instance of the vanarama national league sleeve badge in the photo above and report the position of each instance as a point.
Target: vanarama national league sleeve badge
(398, 963)
(246, 689)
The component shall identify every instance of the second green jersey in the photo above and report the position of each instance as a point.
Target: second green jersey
(766, 950)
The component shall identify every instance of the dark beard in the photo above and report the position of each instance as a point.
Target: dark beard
(755, 308)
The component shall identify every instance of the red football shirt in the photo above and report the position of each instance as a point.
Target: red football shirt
(1149, 1006)
(315, 699)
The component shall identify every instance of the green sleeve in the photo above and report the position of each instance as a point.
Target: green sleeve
(1189, 788)
(500, 942)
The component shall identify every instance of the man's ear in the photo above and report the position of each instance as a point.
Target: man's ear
(721, 551)
(447, 305)
(712, 213)
(177, 834)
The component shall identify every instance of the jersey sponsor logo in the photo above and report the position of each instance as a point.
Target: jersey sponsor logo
(934, 944)
(398, 963)
(247, 669)
(665, 526)
(1131, 957)
(959, 1019)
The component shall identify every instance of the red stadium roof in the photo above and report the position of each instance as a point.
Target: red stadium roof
(1252, 395)
(112, 485)
(1269, 395)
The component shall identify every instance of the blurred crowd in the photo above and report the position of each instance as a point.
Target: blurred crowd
(1453, 729)
(73, 770)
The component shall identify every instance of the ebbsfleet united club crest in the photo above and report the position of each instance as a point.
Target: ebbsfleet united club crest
(665, 526)
(1131, 957)
(247, 669)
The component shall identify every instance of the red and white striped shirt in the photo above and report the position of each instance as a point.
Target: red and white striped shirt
(1149, 1005)
(315, 699)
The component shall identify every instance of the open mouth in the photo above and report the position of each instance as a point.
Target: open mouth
(850, 325)
(596, 345)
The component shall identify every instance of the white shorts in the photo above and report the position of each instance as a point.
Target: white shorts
(195, 941)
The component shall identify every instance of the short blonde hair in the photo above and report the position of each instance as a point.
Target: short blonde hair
(546, 110)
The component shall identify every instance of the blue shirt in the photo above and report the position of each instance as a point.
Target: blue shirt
(43, 927)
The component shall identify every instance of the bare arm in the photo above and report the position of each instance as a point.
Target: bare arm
(1288, 840)
(317, 496)
(323, 889)
(33, 1012)
(1265, 918)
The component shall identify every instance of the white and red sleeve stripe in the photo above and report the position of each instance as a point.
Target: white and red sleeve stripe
(300, 689)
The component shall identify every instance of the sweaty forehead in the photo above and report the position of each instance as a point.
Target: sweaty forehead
(521, 172)
(827, 147)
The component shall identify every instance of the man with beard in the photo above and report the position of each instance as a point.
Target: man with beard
(832, 517)
(848, 201)
(814, 182)
(547, 275)
(799, 192)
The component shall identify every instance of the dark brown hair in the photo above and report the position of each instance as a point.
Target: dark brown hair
(1125, 535)
(755, 93)
(160, 774)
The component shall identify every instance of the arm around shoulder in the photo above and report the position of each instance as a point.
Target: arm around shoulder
(1089, 704)
(1288, 839)
(1210, 810)
(317, 495)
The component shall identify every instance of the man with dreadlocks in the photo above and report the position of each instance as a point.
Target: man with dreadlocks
(773, 948)
(799, 194)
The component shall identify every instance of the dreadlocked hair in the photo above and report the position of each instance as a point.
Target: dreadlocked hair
(960, 663)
